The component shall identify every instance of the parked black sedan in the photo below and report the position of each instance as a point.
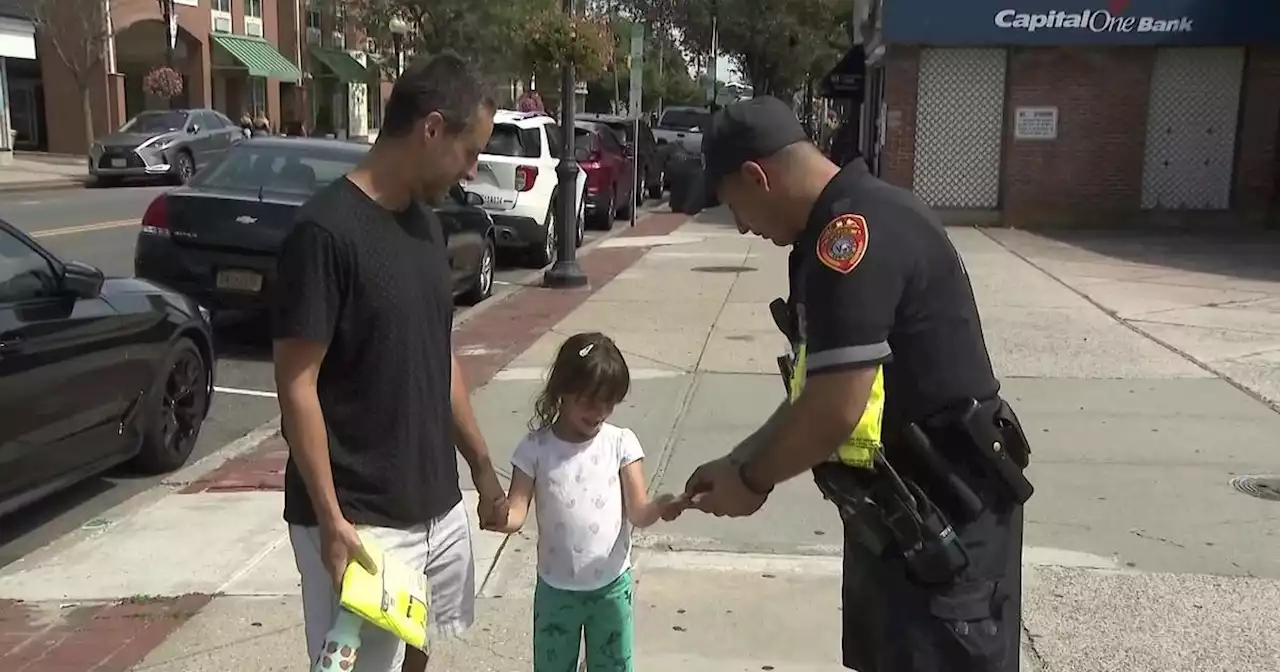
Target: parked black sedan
(93, 372)
(217, 238)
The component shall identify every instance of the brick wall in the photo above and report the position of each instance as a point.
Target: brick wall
(1094, 167)
(1255, 178)
(901, 69)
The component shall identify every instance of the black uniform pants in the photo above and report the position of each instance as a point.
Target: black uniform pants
(891, 624)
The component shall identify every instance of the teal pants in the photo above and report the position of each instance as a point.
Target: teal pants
(562, 617)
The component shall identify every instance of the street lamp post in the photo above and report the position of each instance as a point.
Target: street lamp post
(565, 273)
(398, 30)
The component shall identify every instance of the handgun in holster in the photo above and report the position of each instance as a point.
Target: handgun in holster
(1001, 450)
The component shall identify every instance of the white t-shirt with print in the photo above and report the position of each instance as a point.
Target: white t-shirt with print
(584, 539)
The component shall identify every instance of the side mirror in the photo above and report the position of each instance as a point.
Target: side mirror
(81, 280)
(581, 154)
(474, 199)
(193, 129)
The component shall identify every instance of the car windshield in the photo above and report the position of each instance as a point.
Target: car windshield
(684, 120)
(155, 122)
(301, 169)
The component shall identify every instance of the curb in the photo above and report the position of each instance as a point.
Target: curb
(50, 185)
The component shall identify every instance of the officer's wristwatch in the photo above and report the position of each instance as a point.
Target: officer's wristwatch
(751, 486)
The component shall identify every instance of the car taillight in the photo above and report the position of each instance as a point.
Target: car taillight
(525, 177)
(156, 219)
(590, 165)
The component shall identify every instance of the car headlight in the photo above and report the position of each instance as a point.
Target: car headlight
(157, 143)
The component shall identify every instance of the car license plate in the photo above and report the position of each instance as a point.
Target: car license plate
(240, 281)
(119, 163)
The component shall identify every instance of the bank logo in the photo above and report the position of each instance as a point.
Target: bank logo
(1109, 20)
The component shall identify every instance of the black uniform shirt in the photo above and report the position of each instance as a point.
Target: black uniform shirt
(375, 286)
(881, 283)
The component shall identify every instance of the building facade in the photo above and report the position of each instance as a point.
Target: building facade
(17, 54)
(1077, 112)
(281, 59)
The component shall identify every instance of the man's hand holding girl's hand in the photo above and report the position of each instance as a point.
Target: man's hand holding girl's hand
(493, 508)
(671, 506)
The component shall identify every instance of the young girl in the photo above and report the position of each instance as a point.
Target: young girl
(588, 476)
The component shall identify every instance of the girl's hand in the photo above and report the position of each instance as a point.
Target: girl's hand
(670, 506)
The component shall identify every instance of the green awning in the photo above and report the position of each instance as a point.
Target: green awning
(344, 66)
(259, 56)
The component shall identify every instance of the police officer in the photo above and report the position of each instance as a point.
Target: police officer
(892, 404)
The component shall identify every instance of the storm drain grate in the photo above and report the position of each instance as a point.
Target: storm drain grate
(724, 269)
(1262, 487)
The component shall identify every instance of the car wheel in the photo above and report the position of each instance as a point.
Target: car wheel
(545, 255)
(184, 167)
(656, 188)
(175, 410)
(604, 216)
(482, 286)
(641, 187)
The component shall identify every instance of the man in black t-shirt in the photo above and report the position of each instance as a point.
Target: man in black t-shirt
(889, 368)
(371, 396)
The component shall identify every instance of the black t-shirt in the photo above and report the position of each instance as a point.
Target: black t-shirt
(881, 283)
(375, 286)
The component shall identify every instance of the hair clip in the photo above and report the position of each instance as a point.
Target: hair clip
(586, 350)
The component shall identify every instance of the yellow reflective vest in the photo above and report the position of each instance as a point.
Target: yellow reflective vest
(861, 447)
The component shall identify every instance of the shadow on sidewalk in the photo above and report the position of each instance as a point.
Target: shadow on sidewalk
(1248, 255)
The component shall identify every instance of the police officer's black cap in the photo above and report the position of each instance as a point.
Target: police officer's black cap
(747, 130)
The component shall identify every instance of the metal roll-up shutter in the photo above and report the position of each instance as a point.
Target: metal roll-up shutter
(960, 127)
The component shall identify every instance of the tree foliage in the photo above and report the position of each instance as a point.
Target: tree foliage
(776, 44)
(511, 38)
(666, 71)
(78, 31)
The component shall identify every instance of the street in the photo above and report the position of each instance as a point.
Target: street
(98, 227)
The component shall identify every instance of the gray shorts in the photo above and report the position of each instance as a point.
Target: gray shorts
(442, 548)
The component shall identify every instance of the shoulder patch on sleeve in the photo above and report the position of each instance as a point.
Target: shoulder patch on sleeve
(843, 242)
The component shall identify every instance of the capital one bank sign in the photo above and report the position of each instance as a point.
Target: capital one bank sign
(1092, 20)
(1081, 22)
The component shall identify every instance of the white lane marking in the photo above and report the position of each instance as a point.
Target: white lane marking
(243, 392)
(85, 228)
(29, 203)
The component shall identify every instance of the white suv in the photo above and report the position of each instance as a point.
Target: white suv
(517, 181)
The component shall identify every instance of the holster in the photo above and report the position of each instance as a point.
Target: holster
(984, 441)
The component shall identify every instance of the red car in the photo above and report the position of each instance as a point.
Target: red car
(608, 168)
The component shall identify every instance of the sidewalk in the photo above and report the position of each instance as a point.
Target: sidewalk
(36, 172)
(1140, 557)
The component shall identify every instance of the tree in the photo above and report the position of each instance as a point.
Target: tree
(666, 73)
(776, 44)
(78, 32)
(483, 33)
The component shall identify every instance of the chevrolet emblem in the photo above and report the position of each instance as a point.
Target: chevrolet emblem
(246, 219)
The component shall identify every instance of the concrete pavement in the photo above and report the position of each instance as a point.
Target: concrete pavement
(1140, 556)
(27, 171)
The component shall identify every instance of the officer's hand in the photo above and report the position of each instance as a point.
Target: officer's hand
(720, 491)
(701, 479)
